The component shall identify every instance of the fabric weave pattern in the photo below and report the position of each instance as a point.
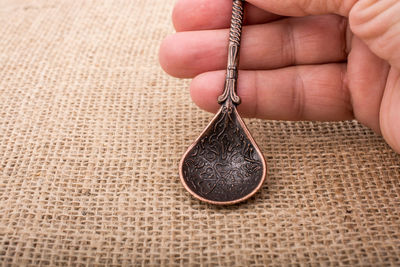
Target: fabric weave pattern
(91, 134)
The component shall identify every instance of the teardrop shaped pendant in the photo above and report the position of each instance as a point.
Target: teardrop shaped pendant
(224, 165)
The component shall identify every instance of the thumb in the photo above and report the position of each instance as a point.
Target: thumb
(377, 23)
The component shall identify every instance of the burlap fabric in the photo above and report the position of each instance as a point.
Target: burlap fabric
(91, 133)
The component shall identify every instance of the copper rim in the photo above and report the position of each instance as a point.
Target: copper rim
(264, 174)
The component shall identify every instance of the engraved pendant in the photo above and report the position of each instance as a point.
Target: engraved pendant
(224, 165)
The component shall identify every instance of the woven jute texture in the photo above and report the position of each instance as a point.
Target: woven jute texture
(91, 134)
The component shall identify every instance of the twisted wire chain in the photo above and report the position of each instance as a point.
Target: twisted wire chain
(236, 22)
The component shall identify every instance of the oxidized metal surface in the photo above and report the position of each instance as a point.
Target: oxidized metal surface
(224, 165)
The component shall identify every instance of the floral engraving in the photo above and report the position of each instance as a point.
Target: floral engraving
(224, 165)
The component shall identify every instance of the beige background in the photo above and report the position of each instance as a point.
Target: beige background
(91, 133)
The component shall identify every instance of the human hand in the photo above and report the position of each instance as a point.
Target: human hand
(300, 59)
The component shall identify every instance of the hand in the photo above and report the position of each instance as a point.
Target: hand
(300, 59)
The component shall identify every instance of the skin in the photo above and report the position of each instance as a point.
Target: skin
(300, 59)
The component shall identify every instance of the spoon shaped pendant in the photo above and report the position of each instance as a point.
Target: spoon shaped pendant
(224, 165)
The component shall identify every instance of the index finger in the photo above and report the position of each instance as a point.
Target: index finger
(195, 15)
(305, 7)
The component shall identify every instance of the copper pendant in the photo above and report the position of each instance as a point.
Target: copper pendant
(224, 165)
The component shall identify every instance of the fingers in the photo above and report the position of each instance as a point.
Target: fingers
(293, 41)
(390, 110)
(294, 93)
(367, 75)
(377, 23)
(195, 15)
(305, 7)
